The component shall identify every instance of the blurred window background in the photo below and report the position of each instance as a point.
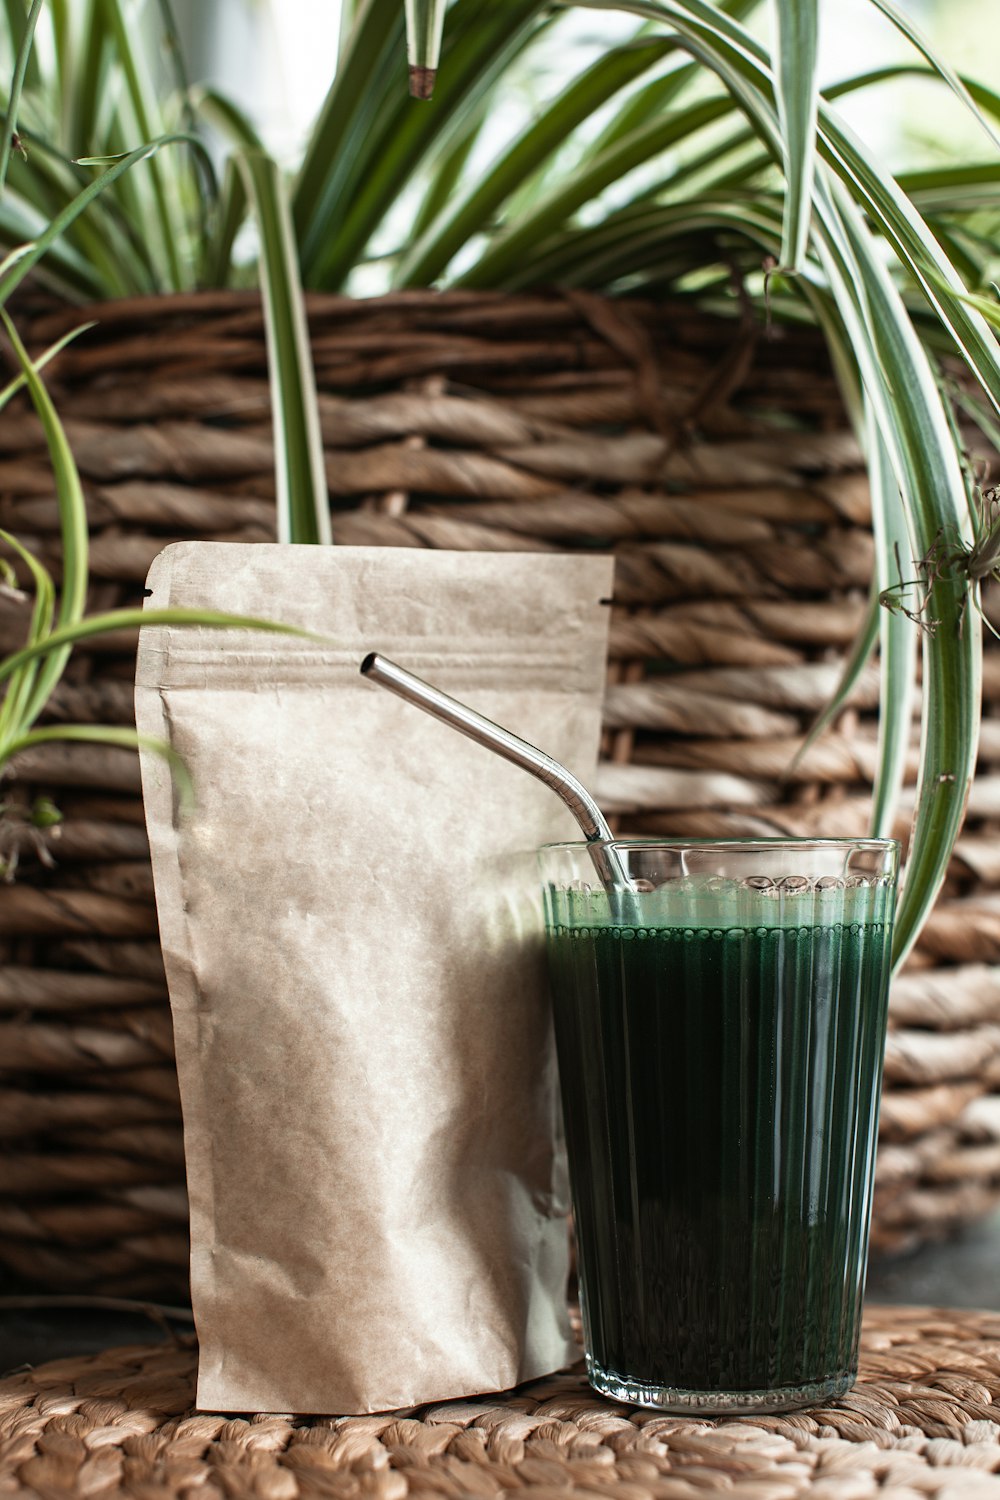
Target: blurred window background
(276, 58)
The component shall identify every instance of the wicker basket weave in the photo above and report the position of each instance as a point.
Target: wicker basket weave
(711, 457)
(921, 1422)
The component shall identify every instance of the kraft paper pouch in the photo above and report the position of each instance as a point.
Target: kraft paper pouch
(355, 964)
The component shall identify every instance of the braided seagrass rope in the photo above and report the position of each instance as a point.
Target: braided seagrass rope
(923, 1421)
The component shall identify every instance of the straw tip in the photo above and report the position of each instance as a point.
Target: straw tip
(422, 81)
(369, 663)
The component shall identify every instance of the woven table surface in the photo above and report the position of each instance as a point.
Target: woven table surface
(923, 1420)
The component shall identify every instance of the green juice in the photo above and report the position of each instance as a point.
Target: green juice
(720, 1091)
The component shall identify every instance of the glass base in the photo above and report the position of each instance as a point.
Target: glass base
(714, 1403)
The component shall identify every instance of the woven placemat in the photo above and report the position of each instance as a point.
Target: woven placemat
(923, 1420)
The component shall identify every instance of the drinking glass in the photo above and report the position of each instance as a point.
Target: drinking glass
(720, 1026)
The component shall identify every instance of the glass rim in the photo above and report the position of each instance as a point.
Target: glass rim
(735, 844)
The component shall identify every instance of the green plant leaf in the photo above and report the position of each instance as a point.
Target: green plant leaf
(640, 239)
(937, 63)
(17, 25)
(913, 425)
(72, 522)
(19, 689)
(17, 84)
(447, 172)
(987, 307)
(45, 592)
(303, 500)
(384, 137)
(174, 51)
(206, 195)
(953, 190)
(797, 38)
(226, 117)
(46, 357)
(231, 210)
(83, 82)
(893, 214)
(897, 639)
(430, 255)
(143, 103)
(982, 418)
(983, 98)
(12, 278)
(907, 406)
(96, 734)
(657, 95)
(857, 659)
(104, 246)
(217, 260)
(424, 30)
(133, 619)
(340, 142)
(506, 262)
(731, 52)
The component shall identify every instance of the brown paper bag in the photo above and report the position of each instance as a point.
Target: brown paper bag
(356, 972)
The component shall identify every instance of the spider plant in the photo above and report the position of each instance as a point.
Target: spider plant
(57, 619)
(743, 172)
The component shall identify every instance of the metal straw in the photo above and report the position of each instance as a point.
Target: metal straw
(607, 861)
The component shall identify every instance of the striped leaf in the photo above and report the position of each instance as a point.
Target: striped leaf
(144, 107)
(120, 738)
(303, 501)
(375, 140)
(900, 386)
(429, 256)
(72, 524)
(507, 260)
(13, 709)
(907, 409)
(53, 231)
(24, 52)
(424, 30)
(134, 619)
(937, 64)
(897, 636)
(797, 89)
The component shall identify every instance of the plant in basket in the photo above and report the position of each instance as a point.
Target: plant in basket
(756, 220)
(56, 621)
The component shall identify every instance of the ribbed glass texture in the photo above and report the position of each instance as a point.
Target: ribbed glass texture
(720, 1031)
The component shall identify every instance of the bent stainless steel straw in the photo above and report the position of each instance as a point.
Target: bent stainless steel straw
(607, 861)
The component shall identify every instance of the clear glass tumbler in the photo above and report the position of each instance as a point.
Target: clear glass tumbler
(720, 1030)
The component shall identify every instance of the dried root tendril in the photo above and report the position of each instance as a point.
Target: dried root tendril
(951, 560)
(23, 829)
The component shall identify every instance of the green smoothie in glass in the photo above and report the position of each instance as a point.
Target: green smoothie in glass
(720, 1030)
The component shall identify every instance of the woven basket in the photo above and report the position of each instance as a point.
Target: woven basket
(710, 456)
(922, 1421)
